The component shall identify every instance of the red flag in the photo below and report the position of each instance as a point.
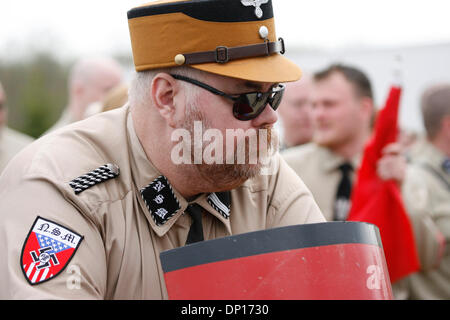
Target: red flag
(379, 202)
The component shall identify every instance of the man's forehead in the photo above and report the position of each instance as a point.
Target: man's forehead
(327, 93)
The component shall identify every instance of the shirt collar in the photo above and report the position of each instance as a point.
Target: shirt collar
(332, 161)
(434, 156)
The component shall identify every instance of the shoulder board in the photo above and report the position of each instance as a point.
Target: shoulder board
(90, 179)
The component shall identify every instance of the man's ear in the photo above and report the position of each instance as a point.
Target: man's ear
(164, 90)
(368, 108)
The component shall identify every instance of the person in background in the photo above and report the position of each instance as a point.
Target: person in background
(342, 111)
(11, 141)
(426, 191)
(89, 81)
(343, 115)
(115, 98)
(295, 113)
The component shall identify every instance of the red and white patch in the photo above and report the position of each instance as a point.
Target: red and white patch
(47, 250)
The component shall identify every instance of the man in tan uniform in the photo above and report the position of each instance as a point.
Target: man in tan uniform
(87, 210)
(11, 141)
(427, 196)
(343, 110)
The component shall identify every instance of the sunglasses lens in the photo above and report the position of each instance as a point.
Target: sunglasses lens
(276, 99)
(250, 105)
(242, 110)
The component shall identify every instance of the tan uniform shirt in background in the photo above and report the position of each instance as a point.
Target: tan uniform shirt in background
(11, 142)
(427, 199)
(119, 255)
(318, 167)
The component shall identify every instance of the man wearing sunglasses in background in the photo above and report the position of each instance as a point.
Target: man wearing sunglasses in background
(88, 209)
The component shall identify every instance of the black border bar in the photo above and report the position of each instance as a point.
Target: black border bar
(271, 240)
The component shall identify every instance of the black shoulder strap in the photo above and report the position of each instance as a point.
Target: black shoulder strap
(90, 179)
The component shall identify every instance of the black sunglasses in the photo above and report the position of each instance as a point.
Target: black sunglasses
(246, 106)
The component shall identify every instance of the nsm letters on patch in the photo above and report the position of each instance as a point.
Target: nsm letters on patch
(47, 250)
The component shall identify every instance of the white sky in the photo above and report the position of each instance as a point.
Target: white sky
(100, 26)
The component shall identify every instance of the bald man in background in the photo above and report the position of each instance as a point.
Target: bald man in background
(296, 113)
(89, 81)
(11, 141)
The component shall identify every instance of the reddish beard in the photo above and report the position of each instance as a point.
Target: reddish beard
(226, 176)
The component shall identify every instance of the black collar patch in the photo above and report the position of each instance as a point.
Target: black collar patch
(221, 202)
(160, 200)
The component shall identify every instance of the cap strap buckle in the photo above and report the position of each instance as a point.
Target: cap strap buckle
(283, 48)
(222, 54)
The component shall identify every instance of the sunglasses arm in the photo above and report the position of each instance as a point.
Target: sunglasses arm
(204, 86)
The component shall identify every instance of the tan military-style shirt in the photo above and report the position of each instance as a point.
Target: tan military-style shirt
(427, 198)
(11, 142)
(118, 238)
(318, 167)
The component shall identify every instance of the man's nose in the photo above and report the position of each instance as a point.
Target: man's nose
(267, 118)
(318, 111)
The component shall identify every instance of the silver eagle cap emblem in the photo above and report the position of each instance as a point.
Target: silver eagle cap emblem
(257, 4)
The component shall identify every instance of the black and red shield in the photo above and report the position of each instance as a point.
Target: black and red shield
(334, 260)
(47, 250)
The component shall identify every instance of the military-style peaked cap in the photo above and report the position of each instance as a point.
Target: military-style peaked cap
(234, 38)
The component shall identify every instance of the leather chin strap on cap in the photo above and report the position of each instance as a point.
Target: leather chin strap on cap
(224, 54)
